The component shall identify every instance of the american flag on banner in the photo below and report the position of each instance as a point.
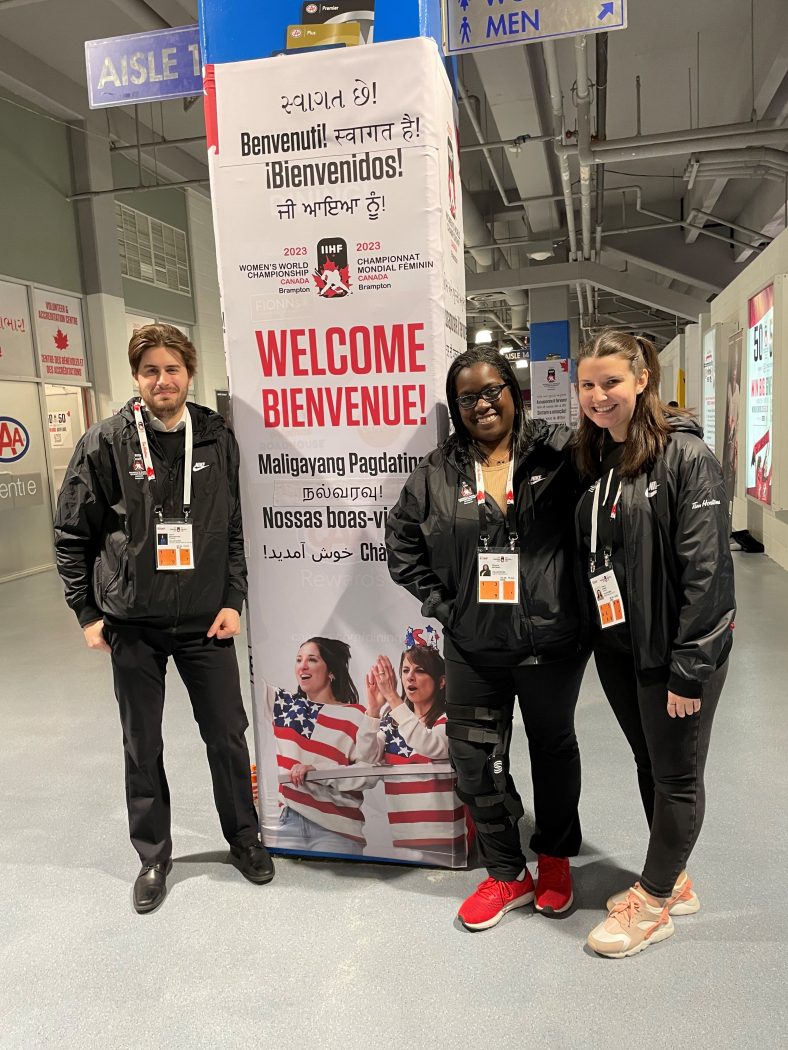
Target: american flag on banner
(424, 812)
(324, 735)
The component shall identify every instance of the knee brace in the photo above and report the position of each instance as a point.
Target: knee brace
(479, 740)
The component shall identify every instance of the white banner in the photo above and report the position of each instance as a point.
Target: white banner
(338, 230)
(760, 377)
(61, 345)
(709, 395)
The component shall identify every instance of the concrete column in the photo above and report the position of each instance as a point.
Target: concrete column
(105, 319)
(207, 334)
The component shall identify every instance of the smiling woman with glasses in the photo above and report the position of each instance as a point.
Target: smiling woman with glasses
(482, 536)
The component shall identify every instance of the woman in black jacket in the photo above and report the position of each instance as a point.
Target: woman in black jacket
(653, 537)
(481, 535)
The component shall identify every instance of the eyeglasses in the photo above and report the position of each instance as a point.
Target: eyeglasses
(490, 394)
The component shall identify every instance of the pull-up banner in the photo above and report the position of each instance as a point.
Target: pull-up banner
(338, 231)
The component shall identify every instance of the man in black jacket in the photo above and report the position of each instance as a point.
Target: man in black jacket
(149, 546)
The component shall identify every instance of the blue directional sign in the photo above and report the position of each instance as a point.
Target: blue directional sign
(472, 25)
(144, 67)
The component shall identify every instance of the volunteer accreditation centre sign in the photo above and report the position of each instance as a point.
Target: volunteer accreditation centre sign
(338, 230)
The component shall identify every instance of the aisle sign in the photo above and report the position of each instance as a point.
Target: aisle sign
(61, 346)
(472, 25)
(760, 371)
(144, 67)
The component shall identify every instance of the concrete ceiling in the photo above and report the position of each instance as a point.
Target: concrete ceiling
(695, 68)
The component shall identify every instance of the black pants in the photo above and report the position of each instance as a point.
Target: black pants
(670, 755)
(547, 695)
(209, 670)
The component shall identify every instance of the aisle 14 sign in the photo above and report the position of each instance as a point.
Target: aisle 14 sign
(471, 25)
(144, 67)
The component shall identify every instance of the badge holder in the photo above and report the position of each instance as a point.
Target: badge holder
(174, 536)
(498, 568)
(604, 585)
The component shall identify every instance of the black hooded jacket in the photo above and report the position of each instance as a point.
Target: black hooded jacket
(432, 540)
(678, 568)
(105, 527)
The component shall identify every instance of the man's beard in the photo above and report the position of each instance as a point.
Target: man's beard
(166, 411)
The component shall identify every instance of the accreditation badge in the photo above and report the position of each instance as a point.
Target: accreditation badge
(607, 595)
(498, 577)
(174, 546)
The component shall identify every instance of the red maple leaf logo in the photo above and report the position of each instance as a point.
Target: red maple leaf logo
(61, 340)
(332, 282)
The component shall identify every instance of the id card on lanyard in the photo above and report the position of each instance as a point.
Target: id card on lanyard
(604, 585)
(174, 537)
(498, 573)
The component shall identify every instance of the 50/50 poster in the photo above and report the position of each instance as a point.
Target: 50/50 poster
(338, 230)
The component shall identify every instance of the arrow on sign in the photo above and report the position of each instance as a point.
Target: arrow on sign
(607, 9)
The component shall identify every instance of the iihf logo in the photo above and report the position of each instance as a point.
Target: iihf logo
(137, 468)
(332, 275)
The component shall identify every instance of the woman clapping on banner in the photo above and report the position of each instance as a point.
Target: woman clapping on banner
(653, 534)
(423, 811)
(321, 726)
(499, 495)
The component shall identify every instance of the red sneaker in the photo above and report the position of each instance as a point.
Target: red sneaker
(492, 899)
(553, 885)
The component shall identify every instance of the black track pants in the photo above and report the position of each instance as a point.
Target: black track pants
(670, 755)
(209, 670)
(547, 695)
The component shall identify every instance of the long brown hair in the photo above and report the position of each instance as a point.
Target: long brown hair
(647, 434)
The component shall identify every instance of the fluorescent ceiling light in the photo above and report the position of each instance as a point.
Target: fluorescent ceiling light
(483, 335)
(523, 363)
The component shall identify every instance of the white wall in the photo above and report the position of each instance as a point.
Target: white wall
(768, 524)
(207, 335)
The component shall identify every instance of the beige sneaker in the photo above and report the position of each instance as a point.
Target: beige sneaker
(683, 900)
(632, 925)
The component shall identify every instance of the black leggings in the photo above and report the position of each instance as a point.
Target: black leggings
(547, 695)
(670, 755)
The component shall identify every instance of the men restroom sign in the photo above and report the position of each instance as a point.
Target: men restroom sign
(144, 67)
(471, 25)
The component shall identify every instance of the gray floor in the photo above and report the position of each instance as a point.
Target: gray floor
(338, 955)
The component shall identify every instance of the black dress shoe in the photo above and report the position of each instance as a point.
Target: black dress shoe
(254, 862)
(150, 888)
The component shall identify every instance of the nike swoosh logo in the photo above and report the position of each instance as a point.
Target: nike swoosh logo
(199, 466)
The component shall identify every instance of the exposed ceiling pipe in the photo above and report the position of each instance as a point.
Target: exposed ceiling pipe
(190, 140)
(480, 137)
(612, 152)
(601, 132)
(684, 222)
(692, 134)
(477, 233)
(696, 213)
(584, 141)
(759, 163)
(557, 106)
(512, 144)
(584, 153)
